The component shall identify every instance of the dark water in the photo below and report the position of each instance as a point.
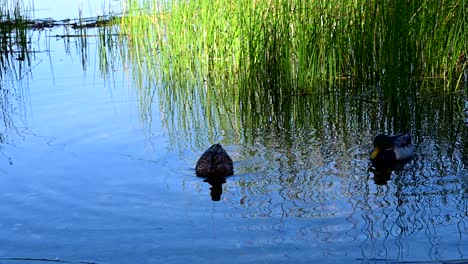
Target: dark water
(90, 171)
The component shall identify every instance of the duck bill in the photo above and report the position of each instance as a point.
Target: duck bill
(374, 153)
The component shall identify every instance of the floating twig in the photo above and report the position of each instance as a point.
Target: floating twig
(48, 260)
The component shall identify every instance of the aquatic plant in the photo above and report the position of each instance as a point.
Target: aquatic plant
(292, 45)
(233, 65)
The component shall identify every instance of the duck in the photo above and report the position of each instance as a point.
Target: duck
(388, 150)
(214, 162)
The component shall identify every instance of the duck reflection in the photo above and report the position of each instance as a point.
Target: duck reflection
(382, 177)
(216, 189)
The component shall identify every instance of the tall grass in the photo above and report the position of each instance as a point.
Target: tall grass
(245, 64)
(292, 45)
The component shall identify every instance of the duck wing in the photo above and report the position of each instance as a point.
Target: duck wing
(403, 147)
(401, 140)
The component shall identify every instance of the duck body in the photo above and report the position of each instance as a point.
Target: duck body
(388, 150)
(214, 162)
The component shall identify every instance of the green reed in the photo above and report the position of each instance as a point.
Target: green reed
(233, 65)
(292, 45)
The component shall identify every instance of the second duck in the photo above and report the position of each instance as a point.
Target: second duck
(390, 149)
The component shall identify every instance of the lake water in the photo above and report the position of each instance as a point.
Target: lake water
(91, 172)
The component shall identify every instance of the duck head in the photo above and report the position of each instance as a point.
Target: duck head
(383, 155)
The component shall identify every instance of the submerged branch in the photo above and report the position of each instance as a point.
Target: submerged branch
(78, 23)
(48, 260)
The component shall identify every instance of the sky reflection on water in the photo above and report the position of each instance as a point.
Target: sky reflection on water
(88, 177)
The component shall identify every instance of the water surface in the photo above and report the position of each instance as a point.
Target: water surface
(92, 171)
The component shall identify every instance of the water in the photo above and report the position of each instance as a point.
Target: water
(92, 172)
(70, 9)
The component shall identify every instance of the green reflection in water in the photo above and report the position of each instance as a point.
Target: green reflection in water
(15, 66)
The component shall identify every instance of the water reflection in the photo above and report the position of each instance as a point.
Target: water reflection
(310, 157)
(15, 71)
(216, 189)
(302, 182)
(382, 177)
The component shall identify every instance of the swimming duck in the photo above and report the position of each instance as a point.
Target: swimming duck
(215, 162)
(388, 150)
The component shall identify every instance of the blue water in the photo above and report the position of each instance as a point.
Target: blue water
(86, 176)
(71, 9)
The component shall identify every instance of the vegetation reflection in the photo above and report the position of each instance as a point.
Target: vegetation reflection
(15, 64)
